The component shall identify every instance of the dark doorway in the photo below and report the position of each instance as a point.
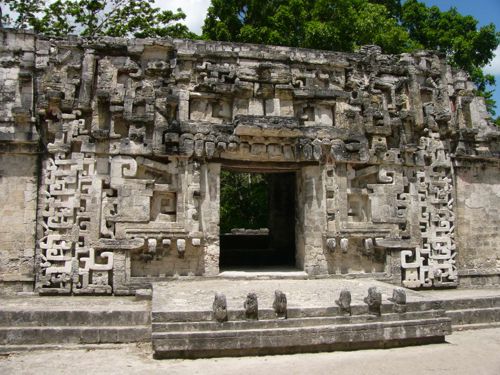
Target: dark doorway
(257, 220)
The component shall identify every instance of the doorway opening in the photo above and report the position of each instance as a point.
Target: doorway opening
(257, 220)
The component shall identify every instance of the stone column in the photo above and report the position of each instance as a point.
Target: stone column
(87, 79)
(311, 221)
(209, 216)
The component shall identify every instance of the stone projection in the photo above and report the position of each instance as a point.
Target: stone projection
(118, 146)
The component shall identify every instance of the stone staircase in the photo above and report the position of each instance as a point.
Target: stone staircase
(52, 322)
(180, 321)
(183, 324)
(305, 330)
(473, 313)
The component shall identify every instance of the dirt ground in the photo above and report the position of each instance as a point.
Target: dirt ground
(469, 352)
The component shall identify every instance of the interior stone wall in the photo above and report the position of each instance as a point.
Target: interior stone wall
(130, 136)
(478, 218)
(282, 206)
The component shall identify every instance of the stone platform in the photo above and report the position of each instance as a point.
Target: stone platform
(183, 323)
(34, 322)
(180, 323)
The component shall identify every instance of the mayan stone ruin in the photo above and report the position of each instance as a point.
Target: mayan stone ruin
(111, 152)
(382, 176)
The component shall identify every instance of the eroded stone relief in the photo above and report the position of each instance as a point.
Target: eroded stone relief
(134, 133)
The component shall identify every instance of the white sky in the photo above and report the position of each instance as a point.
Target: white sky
(195, 10)
(494, 67)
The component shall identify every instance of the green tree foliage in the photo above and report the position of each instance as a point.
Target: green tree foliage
(138, 18)
(393, 6)
(243, 201)
(344, 25)
(341, 25)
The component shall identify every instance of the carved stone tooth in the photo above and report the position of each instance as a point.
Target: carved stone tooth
(307, 152)
(152, 245)
(331, 243)
(198, 148)
(317, 151)
(181, 247)
(219, 308)
(399, 300)
(210, 149)
(280, 304)
(368, 242)
(344, 243)
(221, 146)
(374, 301)
(251, 306)
(344, 301)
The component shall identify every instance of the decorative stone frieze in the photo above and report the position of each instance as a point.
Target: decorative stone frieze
(133, 134)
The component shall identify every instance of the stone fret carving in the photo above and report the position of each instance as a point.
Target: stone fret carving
(433, 262)
(66, 261)
(134, 134)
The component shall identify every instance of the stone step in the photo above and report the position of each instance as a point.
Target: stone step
(292, 312)
(294, 322)
(468, 303)
(460, 317)
(183, 325)
(44, 318)
(11, 349)
(73, 335)
(238, 342)
(466, 327)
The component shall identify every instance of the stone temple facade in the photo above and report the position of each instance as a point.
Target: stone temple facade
(111, 152)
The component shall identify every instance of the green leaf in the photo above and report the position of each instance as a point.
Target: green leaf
(121, 18)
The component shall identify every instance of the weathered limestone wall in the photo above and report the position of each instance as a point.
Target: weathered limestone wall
(18, 193)
(131, 136)
(478, 218)
(18, 164)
